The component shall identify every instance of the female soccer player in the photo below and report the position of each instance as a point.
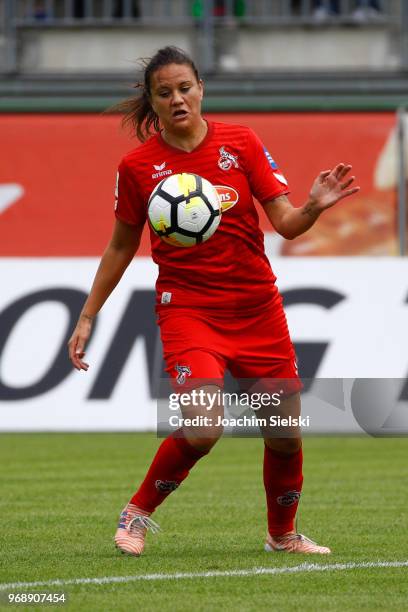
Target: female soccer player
(217, 303)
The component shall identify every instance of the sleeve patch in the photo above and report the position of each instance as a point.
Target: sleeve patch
(271, 161)
(280, 178)
(116, 191)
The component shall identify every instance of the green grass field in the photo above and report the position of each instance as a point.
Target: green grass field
(61, 495)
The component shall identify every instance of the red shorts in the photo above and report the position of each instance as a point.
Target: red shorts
(198, 345)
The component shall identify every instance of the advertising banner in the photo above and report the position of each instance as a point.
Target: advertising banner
(347, 318)
(58, 172)
(347, 315)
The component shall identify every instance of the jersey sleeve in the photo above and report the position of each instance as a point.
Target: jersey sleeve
(266, 180)
(129, 206)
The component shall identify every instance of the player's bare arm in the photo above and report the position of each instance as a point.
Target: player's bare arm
(116, 258)
(329, 187)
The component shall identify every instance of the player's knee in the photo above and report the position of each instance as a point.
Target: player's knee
(286, 446)
(205, 439)
(203, 444)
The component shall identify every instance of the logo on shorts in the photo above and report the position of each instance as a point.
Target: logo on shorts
(182, 373)
(290, 498)
(166, 297)
(227, 160)
(166, 486)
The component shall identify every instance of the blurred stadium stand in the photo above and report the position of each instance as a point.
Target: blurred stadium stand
(257, 54)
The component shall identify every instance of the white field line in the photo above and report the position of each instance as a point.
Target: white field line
(255, 571)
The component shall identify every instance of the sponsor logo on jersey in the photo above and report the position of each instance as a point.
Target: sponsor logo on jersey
(270, 159)
(161, 171)
(289, 498)
(227, 160)
(228, 196)
(182, 372)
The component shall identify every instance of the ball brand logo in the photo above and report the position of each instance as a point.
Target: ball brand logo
(182, 373)
(228, 196)
(161, 171)
(227, 160)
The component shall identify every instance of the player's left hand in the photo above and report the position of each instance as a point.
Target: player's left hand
(331, 186)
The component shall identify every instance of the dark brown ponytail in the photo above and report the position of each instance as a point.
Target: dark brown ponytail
(137, 111)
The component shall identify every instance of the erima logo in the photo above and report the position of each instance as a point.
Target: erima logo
(290, 498)
(161, 171)
(182, 373)
(161, 167)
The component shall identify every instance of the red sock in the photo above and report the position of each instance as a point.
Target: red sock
(170, 466)
(283, 484)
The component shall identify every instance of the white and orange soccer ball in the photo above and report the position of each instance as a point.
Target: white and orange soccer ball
(184, 210)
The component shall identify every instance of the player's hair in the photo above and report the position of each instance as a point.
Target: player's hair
(137, 111)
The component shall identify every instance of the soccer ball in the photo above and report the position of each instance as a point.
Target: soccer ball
(184, 210)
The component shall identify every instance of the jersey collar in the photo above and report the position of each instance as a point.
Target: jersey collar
(202, 144)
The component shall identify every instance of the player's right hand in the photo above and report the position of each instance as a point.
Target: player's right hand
(77, 342)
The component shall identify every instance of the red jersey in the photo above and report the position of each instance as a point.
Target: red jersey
(230, 270)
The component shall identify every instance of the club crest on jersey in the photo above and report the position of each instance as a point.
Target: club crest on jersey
(182, 373)
(227, 160)
(161, 170)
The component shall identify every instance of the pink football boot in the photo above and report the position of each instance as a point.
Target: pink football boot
(132, 529)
